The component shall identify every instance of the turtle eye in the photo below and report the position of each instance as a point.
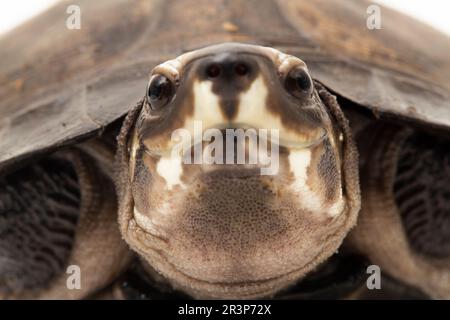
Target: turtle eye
(159, 92)
(299, 83)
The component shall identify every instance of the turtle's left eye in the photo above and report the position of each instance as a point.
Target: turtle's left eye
(299, 83)
(160, 91)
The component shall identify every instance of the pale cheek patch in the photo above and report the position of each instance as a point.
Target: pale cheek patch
(336, 208)
(144, 222)
(133, 151)
(170, 169)
(147, 224)
(299, 161)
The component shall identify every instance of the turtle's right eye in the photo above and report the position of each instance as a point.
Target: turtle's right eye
(159, 92)
(299, 83)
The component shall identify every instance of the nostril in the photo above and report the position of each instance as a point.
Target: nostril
(213, 70)
(241, 69)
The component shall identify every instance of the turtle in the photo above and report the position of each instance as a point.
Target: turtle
(95, 203)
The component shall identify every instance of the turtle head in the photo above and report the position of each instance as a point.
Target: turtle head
(233, 172)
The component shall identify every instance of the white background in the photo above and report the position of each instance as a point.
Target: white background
(433, 12)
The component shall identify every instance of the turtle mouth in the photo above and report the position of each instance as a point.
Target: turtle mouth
(232, 149)
(275, 137)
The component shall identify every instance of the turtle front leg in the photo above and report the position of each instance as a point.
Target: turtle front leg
(58, 217)
(404, 223)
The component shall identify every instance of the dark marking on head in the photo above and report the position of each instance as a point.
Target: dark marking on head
(230, 74)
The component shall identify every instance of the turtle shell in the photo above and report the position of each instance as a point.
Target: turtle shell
(59, 86)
